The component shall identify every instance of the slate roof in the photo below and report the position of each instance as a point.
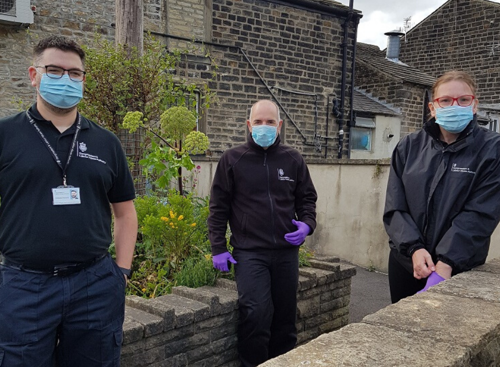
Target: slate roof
(371, 56)
(365, 102)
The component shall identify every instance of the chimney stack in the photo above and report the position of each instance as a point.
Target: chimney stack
(393, 45)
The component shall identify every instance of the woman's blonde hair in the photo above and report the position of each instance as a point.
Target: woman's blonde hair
(454, 75)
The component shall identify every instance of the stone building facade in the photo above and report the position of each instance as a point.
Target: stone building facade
(287, 51)
(461, 34)
(393, 82)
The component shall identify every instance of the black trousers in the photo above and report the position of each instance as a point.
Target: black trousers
(267, 283)
(401, 282)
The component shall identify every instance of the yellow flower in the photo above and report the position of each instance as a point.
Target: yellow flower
(181, 217)
(171, 224)
(144, 289)
(172, 215)
(208, 256)
(165, 219)
(193, 225)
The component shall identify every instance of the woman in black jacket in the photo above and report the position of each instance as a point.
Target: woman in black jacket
(443, 194)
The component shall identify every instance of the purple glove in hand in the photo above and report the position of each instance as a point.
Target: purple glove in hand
(220, 261)
(297, 238)
(432, 280)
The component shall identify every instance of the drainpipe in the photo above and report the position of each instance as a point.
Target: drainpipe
(343, 84)
(352, 116)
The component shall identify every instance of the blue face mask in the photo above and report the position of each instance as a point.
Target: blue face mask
(62, 93)
(454, 119)
(264, 135)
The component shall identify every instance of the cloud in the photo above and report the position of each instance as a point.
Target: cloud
(372, 29)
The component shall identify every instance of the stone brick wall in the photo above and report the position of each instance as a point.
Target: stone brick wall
(463, 34)
(296, 49)
(197, 327)
(406, 96)
(454, 324)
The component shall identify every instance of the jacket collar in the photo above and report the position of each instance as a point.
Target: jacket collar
(463, 140)
(33, 111)
(254, 146)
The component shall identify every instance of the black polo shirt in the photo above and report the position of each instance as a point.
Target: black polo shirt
(33, 231)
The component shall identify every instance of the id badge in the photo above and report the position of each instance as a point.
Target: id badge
(66, 196)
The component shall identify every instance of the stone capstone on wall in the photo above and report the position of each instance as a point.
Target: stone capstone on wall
(454, 324)
(197, 327)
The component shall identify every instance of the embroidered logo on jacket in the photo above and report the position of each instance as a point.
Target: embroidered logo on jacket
(282, 177)
(455, 168)
(82, 148)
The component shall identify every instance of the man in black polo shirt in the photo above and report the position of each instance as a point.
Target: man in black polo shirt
(61, 176)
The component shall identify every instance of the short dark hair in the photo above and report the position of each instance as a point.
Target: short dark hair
(60, 42)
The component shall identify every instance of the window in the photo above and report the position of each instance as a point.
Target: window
(361, 139)
(362, 134)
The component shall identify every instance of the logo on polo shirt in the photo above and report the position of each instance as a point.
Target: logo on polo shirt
(282, 177)
(82, 148)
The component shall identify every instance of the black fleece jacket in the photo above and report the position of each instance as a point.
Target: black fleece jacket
(259, 192)
(444, 198)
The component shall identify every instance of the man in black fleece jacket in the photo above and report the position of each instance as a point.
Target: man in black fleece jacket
(264, 190)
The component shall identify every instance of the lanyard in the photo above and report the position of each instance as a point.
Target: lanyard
(49, 147)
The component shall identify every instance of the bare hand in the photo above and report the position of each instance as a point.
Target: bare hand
(423, 265)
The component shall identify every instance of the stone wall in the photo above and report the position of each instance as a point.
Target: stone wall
(454, 324)
(406, 96)
(296, 51)
(197, 327)
(462, 34)
(290, 48)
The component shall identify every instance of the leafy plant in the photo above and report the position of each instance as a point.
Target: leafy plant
(172, 143)
(173, 239)
(121, 79)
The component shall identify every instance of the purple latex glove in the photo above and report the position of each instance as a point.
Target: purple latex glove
(220, 261)
(432, 280)
(297, 238)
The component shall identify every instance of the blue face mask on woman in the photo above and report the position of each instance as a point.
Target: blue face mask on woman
(62, 92)
(264, 135)
(454, 119)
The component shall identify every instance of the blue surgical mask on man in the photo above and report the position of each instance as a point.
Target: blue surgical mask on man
(454, 119)
(62, 92)
(264, 135)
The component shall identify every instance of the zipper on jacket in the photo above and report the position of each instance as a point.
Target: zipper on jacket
(269, 196)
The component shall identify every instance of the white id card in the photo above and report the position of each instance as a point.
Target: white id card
(66, 196)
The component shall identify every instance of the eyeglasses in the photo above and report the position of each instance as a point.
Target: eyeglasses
(462, 101)
(56, 72)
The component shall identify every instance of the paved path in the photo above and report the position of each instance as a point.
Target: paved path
(369, 293)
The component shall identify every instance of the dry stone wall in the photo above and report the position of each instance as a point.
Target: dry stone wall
(197, 327)
(454, 324)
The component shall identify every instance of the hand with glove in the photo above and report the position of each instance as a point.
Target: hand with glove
(297, 238)
(432, 280)
(220, 261)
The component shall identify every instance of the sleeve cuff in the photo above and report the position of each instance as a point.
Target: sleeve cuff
(446, 261)
(411, 249)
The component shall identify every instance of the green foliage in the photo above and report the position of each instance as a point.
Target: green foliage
(170, 144)
(304, 255)
(174, 247)
(196, 142)
(121, 79)
(177, 122)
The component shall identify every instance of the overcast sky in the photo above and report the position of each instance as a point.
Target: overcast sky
(380, 16)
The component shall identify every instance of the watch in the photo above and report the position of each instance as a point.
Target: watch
(126, 272)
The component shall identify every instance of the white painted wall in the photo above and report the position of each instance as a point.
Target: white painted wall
(351, 200)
